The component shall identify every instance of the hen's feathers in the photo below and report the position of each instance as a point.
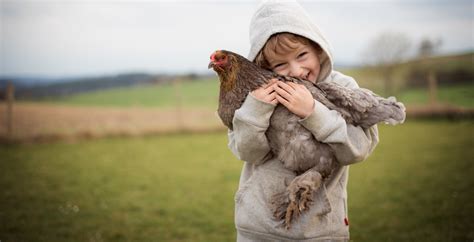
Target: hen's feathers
(358, 106)
(237, 80)
(362, 107)
(290, 142)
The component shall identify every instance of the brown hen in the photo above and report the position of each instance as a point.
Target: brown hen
(312, 161)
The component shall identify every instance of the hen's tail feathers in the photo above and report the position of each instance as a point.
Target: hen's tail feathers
(360, 106)
(398, 112)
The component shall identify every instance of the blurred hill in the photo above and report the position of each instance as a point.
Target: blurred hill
(38, 88)
(450, 70)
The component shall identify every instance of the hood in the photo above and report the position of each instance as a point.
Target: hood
(274, 17)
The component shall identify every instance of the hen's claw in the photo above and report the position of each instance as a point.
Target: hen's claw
(296, 198)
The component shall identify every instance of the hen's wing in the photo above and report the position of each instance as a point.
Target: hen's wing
(362, 107)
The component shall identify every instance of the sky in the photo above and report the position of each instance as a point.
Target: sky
(67, 38)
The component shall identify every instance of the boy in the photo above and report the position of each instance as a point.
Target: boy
(284, 40)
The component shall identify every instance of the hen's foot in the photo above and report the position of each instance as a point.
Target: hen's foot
(296, 198)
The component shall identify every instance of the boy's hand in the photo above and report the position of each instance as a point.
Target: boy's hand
(295, 97)
(266, 93)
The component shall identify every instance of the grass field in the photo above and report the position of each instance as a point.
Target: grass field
(457, 95)
(204, 93)
(416, 186)
(197, 93)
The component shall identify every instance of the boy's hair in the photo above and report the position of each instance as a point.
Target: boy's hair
(281, 43)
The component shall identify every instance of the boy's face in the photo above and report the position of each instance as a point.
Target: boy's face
(301, 62)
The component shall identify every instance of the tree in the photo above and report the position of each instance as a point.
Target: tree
(385, 51)
(428, 47)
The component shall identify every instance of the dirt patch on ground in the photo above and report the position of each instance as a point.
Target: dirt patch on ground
(439, 111)
(36, 122)
(33, 122)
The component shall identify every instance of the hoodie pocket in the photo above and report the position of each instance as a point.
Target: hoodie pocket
(242, 190)
(253, 212)
(252, 200)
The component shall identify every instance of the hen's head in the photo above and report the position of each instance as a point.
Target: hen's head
(220, 61)
(226, 65)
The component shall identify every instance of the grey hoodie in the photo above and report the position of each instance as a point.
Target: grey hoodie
(262, 177)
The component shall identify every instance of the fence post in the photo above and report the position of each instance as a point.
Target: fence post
(178, 101)
(433, 88)
(10, 98)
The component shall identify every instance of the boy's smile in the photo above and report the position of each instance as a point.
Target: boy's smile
(300, 62)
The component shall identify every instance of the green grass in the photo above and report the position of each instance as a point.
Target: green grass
(460, 95)
(204, 93)
(416, 186)
(197, 93)
(170, 188)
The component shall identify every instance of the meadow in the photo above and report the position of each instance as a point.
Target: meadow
(116, 165)
(416, 186)
(205, 92)
(197, 93)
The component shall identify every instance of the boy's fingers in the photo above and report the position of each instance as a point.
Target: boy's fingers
(282, 101)
(270, 87)
(271, 82)
(274, 101)
(294, 85)
(282, 92)
(264, 90)
(286, 87)
(272, 96)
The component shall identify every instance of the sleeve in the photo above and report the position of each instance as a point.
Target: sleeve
(247, 140)
(350, 143)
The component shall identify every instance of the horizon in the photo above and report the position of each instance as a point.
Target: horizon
(50, 79)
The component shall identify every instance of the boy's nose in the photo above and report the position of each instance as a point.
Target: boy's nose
(296, 71)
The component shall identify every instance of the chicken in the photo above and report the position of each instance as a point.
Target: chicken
(312, 161)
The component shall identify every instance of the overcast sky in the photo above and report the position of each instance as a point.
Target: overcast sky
(64, 38)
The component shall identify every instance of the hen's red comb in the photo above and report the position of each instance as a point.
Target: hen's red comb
(218, 54)
(213, 56)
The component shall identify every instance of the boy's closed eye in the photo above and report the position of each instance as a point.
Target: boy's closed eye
(278, 65)
(302, 54)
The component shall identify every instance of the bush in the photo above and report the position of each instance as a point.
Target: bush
(419, 77)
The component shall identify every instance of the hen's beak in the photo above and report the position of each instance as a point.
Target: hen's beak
(211, 64)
